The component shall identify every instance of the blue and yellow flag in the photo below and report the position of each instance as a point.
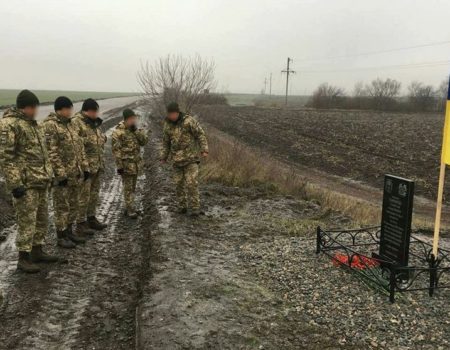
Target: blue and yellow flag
(446, 141)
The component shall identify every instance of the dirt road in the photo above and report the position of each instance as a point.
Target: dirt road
(164, 282)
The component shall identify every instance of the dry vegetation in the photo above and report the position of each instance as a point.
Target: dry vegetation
(234, 164)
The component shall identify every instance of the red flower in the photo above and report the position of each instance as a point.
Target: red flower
(356, 261)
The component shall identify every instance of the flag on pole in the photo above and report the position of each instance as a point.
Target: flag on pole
(446, 140)
(445, 159)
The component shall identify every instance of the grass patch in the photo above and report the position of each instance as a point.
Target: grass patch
(295, 227)
(233, 164)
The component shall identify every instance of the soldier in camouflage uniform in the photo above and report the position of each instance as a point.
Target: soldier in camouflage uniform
(184, 141)
(88, 125)
(28, 174)
(66, 153)
(127, 141)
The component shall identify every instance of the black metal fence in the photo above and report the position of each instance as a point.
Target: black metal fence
(357, 250)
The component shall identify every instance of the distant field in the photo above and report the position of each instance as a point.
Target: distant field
(265, 100)
(8, 97)
(360, 145)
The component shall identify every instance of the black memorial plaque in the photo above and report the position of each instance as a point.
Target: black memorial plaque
(396, 219)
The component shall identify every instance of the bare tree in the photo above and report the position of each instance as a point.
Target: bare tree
(384, 92)
(421, 97)
(327, 96)
(359, 90)
(441, 95)
(176, 78)
(360, 98)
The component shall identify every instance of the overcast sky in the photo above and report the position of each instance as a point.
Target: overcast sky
(98, 44)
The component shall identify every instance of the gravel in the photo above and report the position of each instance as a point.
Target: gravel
(327, 296)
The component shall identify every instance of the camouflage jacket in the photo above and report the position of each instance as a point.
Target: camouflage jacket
(65, 148)
(93, 139)
(183, 140)
(24, 159)
(126, 148)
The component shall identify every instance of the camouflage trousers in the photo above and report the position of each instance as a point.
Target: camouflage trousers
(129, 191)
(65, 204)
(186, 184)
(89, 196)
(32, 218)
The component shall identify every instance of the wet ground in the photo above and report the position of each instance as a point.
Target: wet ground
(164, 281)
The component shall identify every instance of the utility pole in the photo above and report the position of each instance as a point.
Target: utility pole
(265, 85)
(288, 71)
(270, 85)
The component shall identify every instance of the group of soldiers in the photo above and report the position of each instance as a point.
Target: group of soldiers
(64, 154)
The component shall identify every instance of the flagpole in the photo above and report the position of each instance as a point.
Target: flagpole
(437, 222)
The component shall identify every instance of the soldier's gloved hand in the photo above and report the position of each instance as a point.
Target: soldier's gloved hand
(132, 128)
(63, 183)
(87, 175)
(19, 192)
(120, 171)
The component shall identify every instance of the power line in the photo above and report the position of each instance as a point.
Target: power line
(399, 66)
(369, 53)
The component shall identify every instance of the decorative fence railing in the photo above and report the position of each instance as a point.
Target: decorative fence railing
(357, 250)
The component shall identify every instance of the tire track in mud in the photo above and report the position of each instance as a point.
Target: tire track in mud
(8, 254)
(60, 319)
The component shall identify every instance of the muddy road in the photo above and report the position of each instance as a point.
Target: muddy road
(161, 282)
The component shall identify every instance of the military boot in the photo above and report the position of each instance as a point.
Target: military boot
(75, 236)
(84, 229)
(64, 241)
(95, 224)
(25, 264)
(38, 255)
